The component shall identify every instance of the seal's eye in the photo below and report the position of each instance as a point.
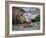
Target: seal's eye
(21, 14)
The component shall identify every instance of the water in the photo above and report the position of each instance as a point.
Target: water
(36, 26)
